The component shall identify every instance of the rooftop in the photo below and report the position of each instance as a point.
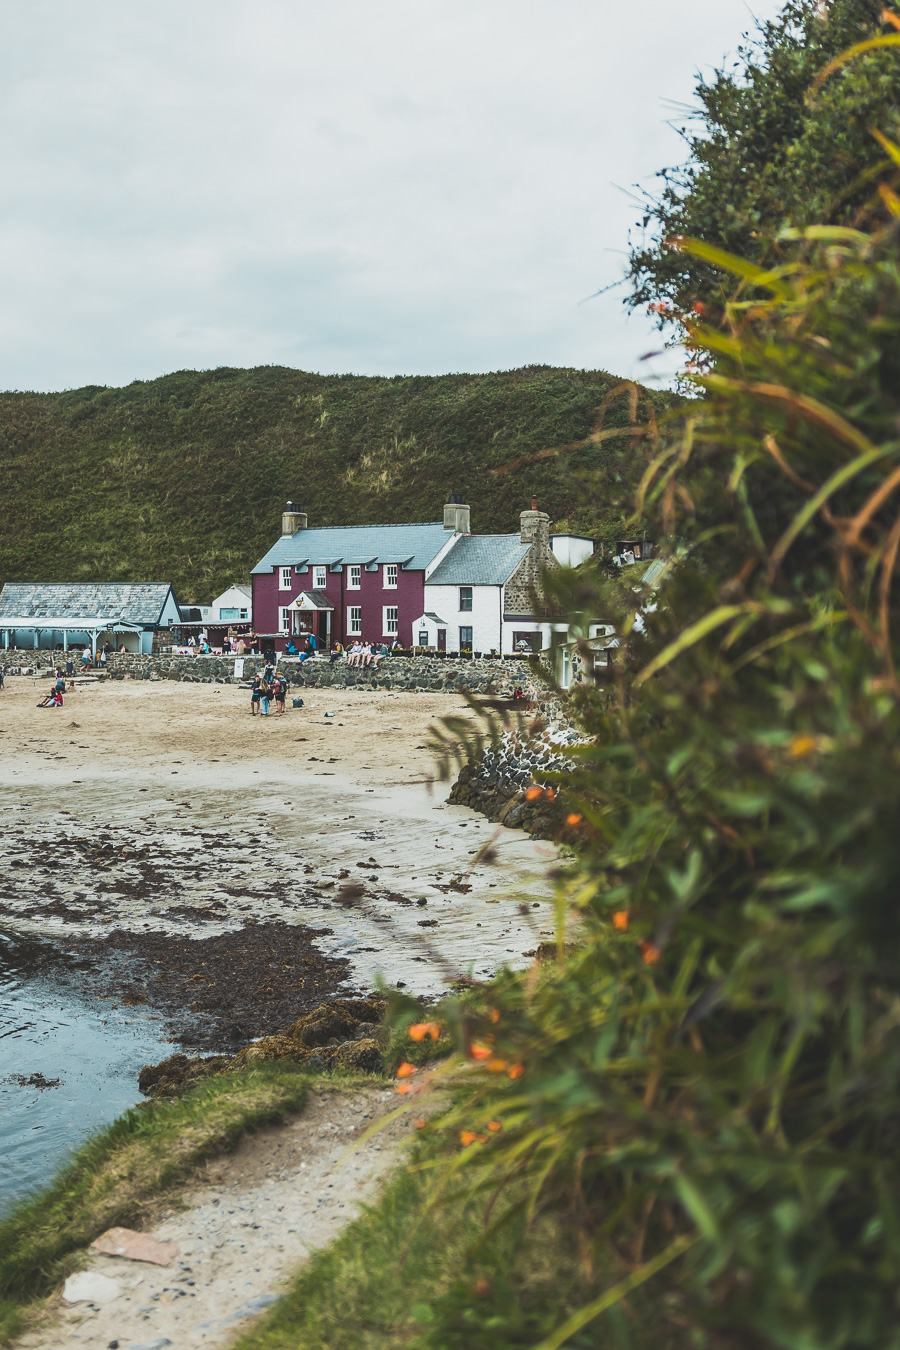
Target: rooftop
(411, 546)
(134, 602)
(480, 560)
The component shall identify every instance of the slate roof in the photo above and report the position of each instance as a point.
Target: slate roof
(480, 560)
(135, 602)
(412, 546)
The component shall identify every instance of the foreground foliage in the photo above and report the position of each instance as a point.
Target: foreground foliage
(708, 1083)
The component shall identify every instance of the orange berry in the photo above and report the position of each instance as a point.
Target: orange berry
(550, 794)
(406, 1070)
(467, 1137)
(532, 793)
(516, 1070)
(574, 819)
(480, 1051)
(495, 1125)
(404, 1087)
(420, 1123)
(495, 1065)
(494, 1015)
(649, 953)
(620, 920)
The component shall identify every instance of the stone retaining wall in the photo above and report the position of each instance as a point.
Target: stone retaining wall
(495, 784)
(429, 674)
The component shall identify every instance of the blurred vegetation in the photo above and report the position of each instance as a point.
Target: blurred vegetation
(707, 1080)
(184, 478)
(766, 150)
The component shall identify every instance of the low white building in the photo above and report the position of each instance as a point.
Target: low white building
(234, 605)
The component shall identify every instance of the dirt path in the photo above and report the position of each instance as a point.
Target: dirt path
(251, 1220)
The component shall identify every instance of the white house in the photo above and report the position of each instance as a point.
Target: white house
(234, 605)
(478, 596)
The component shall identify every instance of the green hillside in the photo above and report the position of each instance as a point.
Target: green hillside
(183, 478)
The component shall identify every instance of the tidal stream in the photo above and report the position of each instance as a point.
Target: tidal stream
(68, 1063)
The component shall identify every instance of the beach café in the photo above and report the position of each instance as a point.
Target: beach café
(60, 615)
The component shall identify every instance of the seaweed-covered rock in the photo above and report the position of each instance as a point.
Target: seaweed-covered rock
(179, 1072)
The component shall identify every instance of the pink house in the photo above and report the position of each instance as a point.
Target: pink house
(350, 581)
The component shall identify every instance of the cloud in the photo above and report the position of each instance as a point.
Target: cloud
(401, 186)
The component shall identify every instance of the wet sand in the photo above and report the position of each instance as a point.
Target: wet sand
(148, 808)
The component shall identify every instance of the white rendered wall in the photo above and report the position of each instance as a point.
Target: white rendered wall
(571, 549)
(483, 618)
(233, 598)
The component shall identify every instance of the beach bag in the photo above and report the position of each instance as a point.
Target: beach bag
(297, 702)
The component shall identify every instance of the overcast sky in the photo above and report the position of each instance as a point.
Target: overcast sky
(394, 186)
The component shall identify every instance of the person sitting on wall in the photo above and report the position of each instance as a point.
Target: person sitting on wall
(354, 654)
(336, 651)
(312, 644)
(291, 647)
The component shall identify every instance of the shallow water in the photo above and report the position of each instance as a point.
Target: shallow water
(47, 1027)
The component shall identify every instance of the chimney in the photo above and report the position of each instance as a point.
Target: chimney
(534, 526)
(456, 515)
(292, 519)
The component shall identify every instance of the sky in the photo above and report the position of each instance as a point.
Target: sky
(388, 187)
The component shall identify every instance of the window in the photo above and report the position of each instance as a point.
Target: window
(465, 640)
(465, 599)
(284, 621)
(320, 578)
(285, 582)
(353, 574)
(391, 620)
(354, 621)
(229, 615)
(390, 578)
(527, 642)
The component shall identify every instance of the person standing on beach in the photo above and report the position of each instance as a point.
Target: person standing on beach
(280, 691)
(264, 692)
(255, 696)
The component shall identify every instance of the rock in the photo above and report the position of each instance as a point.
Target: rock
(86, 1287)
(134, 1246)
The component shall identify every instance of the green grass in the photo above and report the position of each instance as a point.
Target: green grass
(184, 478)
(116, 1176)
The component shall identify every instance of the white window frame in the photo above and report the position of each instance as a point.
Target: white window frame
(285, 578)
(284, 618)
(354, 577)
(354, 620)
(390, 576)
(390, 622)
(469, 629)
(471, 598)
(320, 578)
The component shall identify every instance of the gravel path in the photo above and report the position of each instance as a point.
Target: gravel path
(251, 1220)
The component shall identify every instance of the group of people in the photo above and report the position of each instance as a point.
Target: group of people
(270, 687)
(54, 699)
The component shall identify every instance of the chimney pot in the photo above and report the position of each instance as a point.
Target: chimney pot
(534, 526)
(292, 519)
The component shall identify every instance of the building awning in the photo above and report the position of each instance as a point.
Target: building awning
(316, 600)
(94, 624)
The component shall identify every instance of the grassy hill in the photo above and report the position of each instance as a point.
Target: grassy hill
(183, 478)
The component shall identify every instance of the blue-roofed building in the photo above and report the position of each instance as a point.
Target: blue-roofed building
(431, 584)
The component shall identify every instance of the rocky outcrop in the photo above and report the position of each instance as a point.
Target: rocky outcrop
(342, 1034)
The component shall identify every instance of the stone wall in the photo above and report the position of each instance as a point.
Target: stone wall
(495, 784)
(430, 674)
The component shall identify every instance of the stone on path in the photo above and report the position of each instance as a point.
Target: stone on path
(135, 1246)
(87, 1287)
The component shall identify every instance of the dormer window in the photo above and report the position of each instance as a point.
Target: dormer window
(320, 578)
(353, 575)
(390, 577)
(284, 583)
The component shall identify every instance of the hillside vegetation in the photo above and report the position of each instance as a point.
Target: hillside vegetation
(183, 478)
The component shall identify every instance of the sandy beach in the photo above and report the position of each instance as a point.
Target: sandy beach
(145, 808)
